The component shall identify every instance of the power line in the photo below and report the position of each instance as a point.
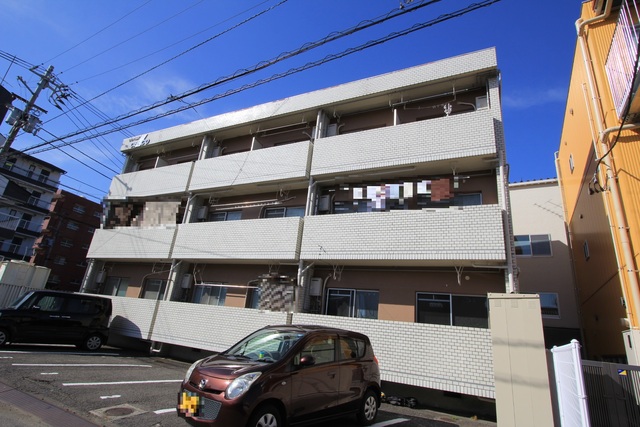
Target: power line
(98, 32)
(133, 37)
(183, 53)
(328, 58)
(260, 66)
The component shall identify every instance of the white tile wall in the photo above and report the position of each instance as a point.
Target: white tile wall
(459, 136)
(254, 239)
(132, 243)
(473, 233)
(264, 165)
(160, 181)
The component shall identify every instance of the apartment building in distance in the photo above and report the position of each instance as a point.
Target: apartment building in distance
(27, 187)
(64, 242)
(598, 168)
(544, 257)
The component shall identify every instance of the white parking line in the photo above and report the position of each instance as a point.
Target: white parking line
(122, 383)
(57, 352)
(390, 422)
(84, 365)
(164, 411)
(6, 357)
(48, 373)
(115, 396)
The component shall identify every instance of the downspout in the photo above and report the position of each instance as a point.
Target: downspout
(611, 181)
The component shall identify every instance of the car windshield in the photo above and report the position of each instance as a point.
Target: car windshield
(265, 345)
(20, 300)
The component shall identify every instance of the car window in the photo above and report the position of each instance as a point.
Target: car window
(352, 348)
(83, 306)
(50, 303)
(322, 348)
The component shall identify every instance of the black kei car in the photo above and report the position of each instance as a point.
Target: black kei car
(284, 375)
(54, 317)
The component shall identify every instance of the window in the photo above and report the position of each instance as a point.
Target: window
(283, 212)
(50, 303)
(471, 199)
(455, 310)
(66, 243)
(44, 175)
(253, 298)
(323, 349)
(352, 303)
(225, 216)
(533, 245)
(82, 306)
(116, 286)
(60, 260)
(209, 295)
(91, 230)
(72, 225)
(79, 209)
(154, 289)
(351, 348)
(549, 305)
(32, 169)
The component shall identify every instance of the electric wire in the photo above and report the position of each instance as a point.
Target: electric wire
(328, 58)
(134, 36)
(169, 46)
(260, 65)
(184, 52)
(98, 32)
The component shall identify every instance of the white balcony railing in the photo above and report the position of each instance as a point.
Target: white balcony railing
(152, 182)
(621, 59)
(132, 243)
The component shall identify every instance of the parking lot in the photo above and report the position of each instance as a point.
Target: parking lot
(115, 387)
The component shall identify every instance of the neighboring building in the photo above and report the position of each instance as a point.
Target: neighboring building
(598, 168)
(27, 187)
(385, 198)
(66, 234)
(544, 257)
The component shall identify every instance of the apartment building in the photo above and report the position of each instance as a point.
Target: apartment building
(64, 241)
(544, 257)
(27, 187)
(384, 198)
(598, 169)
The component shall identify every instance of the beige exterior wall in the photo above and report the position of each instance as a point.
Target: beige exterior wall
(536, 208)
(600, 222)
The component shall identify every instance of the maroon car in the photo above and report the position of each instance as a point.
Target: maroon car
(284, 375)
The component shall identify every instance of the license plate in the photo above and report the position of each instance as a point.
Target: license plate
(190, 403)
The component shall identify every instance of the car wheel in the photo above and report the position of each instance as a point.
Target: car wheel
(368, 408)
(265, 416)
(4, 337)
(92, 343)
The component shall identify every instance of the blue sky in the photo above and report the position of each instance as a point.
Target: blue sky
(96, 46)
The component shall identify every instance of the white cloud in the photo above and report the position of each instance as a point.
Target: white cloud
(523, 99)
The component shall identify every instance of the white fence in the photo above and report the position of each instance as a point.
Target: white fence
(572, 397)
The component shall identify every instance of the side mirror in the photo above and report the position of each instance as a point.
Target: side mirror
(307, 360)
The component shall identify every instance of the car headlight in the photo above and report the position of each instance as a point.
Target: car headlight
(240, 385)
(191, 368)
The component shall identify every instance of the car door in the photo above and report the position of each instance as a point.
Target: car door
(352, 376)
(314, 387)
(42, 321)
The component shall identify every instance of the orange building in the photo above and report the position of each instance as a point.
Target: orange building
(599, 172)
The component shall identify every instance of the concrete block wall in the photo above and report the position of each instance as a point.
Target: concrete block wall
(264, 165)
(266, 239)
(471, 233)
(458, 136)
(153, 182)
(448, 358)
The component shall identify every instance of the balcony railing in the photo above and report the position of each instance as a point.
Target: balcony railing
(621, 59)
(9, 222)
(31, 175)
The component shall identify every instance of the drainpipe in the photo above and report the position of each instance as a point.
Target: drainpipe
(610, 180)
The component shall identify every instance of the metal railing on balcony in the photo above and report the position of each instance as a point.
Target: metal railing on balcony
(42, 178)
(621, 59)
(9, 222)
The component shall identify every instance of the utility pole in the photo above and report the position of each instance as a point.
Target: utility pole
(22, 121)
